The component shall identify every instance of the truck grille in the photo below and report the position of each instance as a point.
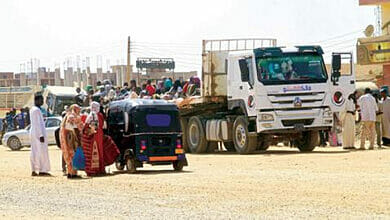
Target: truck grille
(288, 123)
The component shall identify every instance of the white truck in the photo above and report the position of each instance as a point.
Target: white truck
(255, 94)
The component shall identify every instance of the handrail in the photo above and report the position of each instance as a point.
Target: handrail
(240, 44)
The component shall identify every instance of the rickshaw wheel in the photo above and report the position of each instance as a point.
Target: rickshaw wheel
(178, 165)
(130, 165)
(119, 165)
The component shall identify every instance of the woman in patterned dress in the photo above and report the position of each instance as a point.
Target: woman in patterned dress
(71, 127)
(92, 141)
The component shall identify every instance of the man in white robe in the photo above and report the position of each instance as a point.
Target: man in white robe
(385, 118)
(39, 156)
(348, 122)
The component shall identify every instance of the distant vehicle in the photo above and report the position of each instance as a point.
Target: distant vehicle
(362, 85)
(57, 97)
(146, 131)
(18, 139)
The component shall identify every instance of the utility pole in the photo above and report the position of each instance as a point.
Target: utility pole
(128, 77)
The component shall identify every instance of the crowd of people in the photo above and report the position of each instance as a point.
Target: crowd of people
(165, 88)
(85, 129)
(374, 116)
(14, 121)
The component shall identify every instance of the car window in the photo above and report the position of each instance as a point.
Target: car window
(52, 123)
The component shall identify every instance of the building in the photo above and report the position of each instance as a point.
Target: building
(376, 49)
(120, 74)
(81, 78)
(7, 79)
(372, 73)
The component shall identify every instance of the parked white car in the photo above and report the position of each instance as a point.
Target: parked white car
(18, 139)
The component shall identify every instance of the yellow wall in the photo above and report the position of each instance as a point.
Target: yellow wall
(385, 16)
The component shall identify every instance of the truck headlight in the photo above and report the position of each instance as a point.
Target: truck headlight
(328, 113)
(266, 117)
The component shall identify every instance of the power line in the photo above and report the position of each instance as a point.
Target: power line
(338, 43)
(336, 37)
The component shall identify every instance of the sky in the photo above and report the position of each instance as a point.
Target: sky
(56, 32)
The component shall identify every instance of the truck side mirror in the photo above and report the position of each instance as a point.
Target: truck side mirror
(244, 70)
(336, 66)
(336, 62)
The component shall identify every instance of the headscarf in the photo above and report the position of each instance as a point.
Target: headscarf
(75, 109)
(167, 84)
(95, 107)
(69, 121)
(92, 118)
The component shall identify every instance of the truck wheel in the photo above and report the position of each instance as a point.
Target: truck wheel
(229, 145)
(196, 137)
(262, 145)
(308, 141)
(14, 143)
(130, 165)
(184, 123)
(243, 143)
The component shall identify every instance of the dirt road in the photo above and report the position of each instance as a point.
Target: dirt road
(281, 183)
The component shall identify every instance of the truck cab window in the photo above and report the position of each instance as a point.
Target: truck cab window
(250, 68)
(246, 68)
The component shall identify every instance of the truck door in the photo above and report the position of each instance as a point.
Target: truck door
(342, 82)
(241, 86)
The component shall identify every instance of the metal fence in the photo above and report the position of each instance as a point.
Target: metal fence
(16, 97)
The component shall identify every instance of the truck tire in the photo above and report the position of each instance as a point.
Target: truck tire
(308, 142)
(262, 145)
(229, 146)
(243, 143)
(184, 123)
(196, 136)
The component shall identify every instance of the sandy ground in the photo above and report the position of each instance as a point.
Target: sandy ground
(280, 183)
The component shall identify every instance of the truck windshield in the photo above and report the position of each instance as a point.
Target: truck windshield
(291, 68)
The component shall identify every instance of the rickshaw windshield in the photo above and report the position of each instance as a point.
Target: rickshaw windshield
(152, 120)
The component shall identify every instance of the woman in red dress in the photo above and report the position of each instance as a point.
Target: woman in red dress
(92, 141)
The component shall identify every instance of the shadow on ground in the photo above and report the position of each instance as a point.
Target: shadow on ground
(149, 172)
(283, 152)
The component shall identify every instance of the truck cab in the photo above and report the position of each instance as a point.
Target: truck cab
(283, 91)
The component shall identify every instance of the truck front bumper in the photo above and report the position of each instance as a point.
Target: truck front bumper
(294, 121)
